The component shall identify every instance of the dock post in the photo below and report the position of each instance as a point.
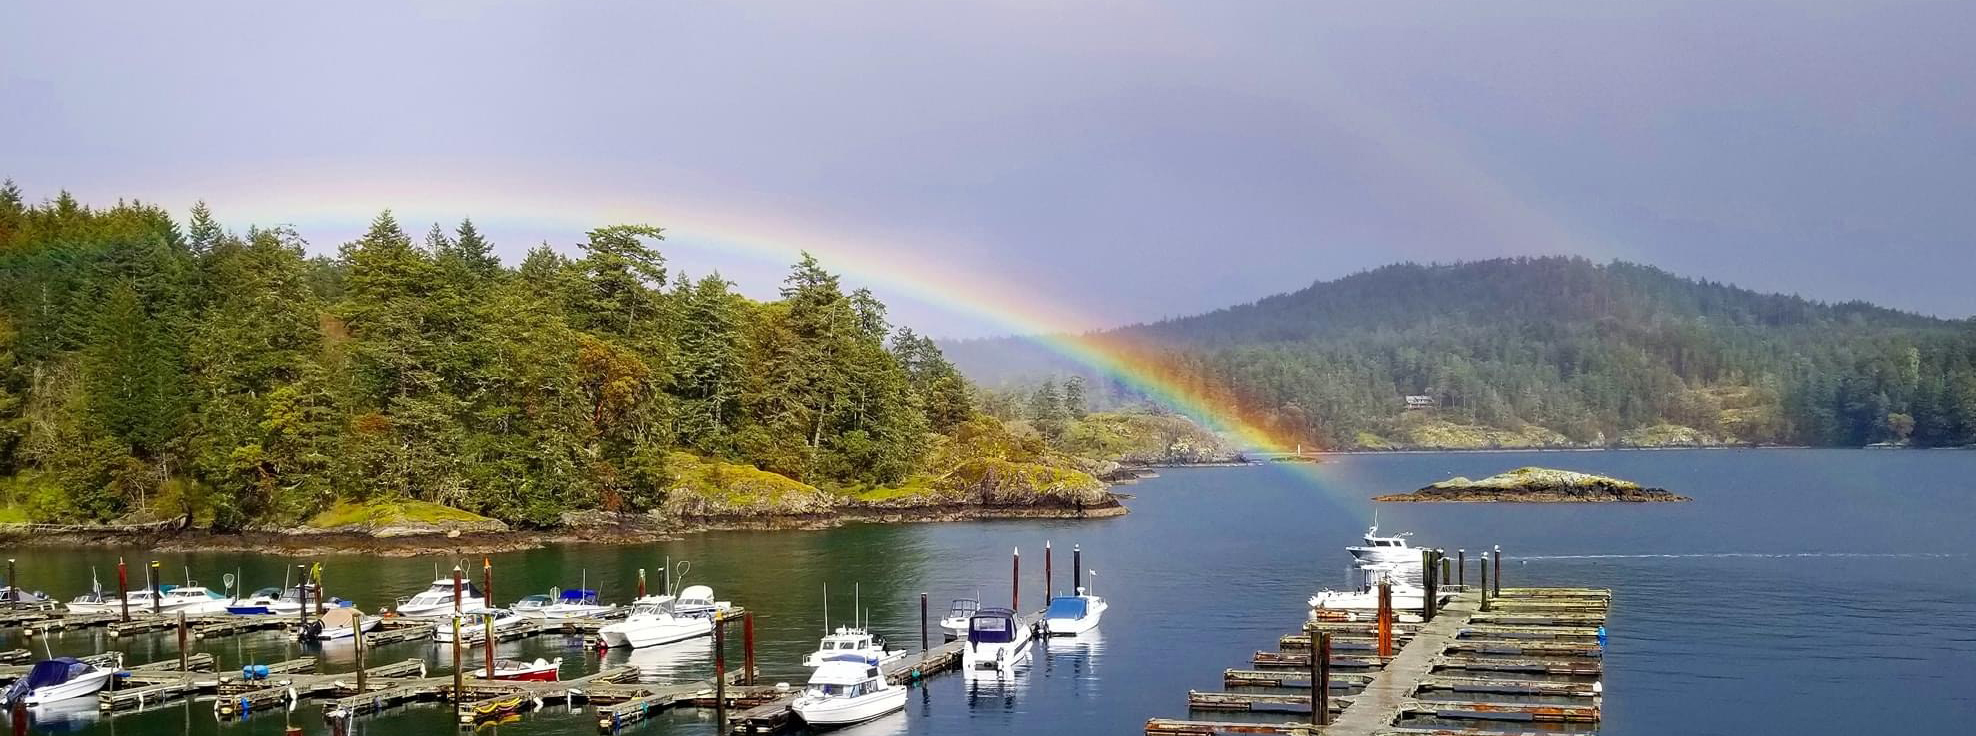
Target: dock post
(1447, 574)
(487, 583)
(641, 582)
(1482, 563)
(302, 588)
(487, 633)
(1498, 579)
(322, 600)
(922, 624)
(1320, 678)
(13, 586)
(1461, 568)
(183, 663)
(748, 644)
(1427, 585)
(1015, 594)
(1385, 618)
(459, 669)
(720, 673)
(123, 588)
(157, 588)
(357, 624)
(1048, 591)
(1076, 569)
(457, 585)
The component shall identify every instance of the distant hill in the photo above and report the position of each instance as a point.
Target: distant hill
(1551, 351)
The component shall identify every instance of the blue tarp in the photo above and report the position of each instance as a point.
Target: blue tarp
(1066, 607)
(580, 596)
(46, 672)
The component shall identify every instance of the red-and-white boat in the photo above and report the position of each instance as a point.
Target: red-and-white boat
(540, 670)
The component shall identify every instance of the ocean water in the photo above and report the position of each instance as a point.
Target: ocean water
(1802, 591)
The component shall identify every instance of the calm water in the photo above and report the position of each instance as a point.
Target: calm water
(1805, 592)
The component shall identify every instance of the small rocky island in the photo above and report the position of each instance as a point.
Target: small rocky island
(1536, 485)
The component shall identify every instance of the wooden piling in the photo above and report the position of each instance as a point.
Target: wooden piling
(182, 636)
(458, 587)
(487, 630)
(720, 673)
(1427, 584)
(641, 582)
(322, 600)
(1015, 593)
(1497, 581)
(1385, 618)
(13, 586)
(1076, 570)
(487, 584)
(1447, 575)
(357, 623)
(302, 588)
(748, 641)
(1461, 567)
(1048, 591)
(1482, 566)
(922, 622)
(157, 588)
(1320, 680)
(123, 588)
(459, 669)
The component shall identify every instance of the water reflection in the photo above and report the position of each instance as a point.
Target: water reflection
(668, 663)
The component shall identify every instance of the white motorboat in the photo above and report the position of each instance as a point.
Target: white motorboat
(1385, 550)
(531, 606)
(651, 623)
(192, 600)
(94, 602)
(336, 623)
(854, 641)
(1349, 603)
(698, 600)
(575, 604)
(1069, 615)
(24, 598)
(438, 600)
(996, 640)
(61, 678)
(286, 602)
(847, 689)
(955, 624)
(473, 624)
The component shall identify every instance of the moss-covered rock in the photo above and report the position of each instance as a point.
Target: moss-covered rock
(1437, 434)
(1667, 435)
(398, 517)
(994, 482)
(708, 488)
(1536, 485)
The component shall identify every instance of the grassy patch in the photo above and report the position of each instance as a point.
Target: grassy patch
(918, 485)
(391, 512)
(11, 514)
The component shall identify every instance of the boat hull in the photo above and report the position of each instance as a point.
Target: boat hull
(332, 633)
(996, 656)
(441, 609)
(639, 634)
(827, 712)
(1385, 555)
(81, 687)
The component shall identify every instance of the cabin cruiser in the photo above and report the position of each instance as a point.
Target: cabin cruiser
(438, 600)
(1388, 550)
(574, 604)
(192, 600)
(61, 678)
(996, 639)
(1406, 596)
(854, 641)
(1073, 614)
(652, 622)
(278, 601)
(698, 601)
(847, 689)
(337, 623)
(540, 670)
(95, 601)
(955, 624)
(473, 624)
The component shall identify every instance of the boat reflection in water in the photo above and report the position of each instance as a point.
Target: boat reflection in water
(677, 662)
(1074, 657)
(74, 715)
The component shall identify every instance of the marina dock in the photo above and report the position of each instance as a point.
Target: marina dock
(1533, 657)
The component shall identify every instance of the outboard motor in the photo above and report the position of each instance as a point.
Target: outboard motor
(311, 630)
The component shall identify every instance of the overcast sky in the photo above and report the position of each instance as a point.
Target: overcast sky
(1100, 163)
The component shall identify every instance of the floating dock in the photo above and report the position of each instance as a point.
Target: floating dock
(1535, 657)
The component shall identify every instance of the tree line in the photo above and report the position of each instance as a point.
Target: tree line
(146, 362)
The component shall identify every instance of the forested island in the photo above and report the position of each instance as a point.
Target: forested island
(1548, 352)
(152, 370)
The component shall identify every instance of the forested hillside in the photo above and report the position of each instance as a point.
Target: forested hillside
(152, 367)
(1554, 351)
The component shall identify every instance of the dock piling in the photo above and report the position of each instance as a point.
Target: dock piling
(1497, 581)
(1461, 568)
(1320, 679)
(720, 673)
(357, 623)
(488, 633)
(1441, 556)
(182, 632)
(1482, 563)
(1048, 591)
(1428, 583)
(641, 582)
(922, 622)
(748, 641)
(459, 670)
(1076, 569)
(123, 588)
(1015, 592)
(1385, 618)
(457, 585)
(487, 584)
(157, 588)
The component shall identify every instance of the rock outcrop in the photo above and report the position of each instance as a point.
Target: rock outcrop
(1536, 485)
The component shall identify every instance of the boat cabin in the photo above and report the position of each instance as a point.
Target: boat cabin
(848, 640)
(1372, 539)
(993, 626)
(963, 608)
(846, 676)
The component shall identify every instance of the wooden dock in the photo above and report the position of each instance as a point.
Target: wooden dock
(1535, 657)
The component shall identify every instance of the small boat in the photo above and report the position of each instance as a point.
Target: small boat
(24, 598)
(854, 641)
(437, 600)
(996, 639)
(574, 604)
(847, 689)
(1388, 550)
(1349, 603)
(192, 600)
(473, 624)
(61, 678)
(540, 670)
(1073, 614)
(698, 601)
(531, 606)
(336, 623)
(955, 624)
(95, 601)
(651, 623)
(286, 602)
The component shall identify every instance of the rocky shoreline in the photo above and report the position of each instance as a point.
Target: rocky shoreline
(1536, 485)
